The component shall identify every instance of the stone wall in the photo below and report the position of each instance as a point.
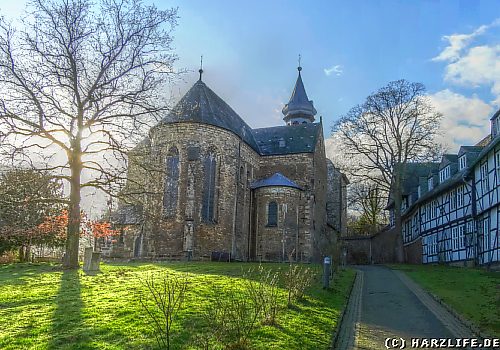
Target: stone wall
(374, 249)
(413, 252)
(184, 234)
(277, 243)
(237, 164)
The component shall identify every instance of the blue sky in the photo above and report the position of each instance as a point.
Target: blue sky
(349, 49)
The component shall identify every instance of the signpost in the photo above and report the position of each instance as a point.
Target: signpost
(327, 263)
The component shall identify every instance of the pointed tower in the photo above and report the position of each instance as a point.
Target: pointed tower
(299, 110)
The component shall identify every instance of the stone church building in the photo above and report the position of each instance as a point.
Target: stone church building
(205, 185)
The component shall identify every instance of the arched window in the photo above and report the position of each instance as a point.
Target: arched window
(272, 214)
(208, 213)
(171, 187)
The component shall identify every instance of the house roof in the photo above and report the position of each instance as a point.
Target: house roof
(411, 177)
(497, 114)
(200, 104)
(448, 159)
(288, 139)
(275, 180)
(493, 143)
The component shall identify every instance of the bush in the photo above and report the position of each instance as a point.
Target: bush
(166, 294)
(298, 279)
(262, 285)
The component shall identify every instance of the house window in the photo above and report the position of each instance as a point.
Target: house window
(208, 213)
(419, 191)
(497, 161)
(444, 174)
(461, 237)
(272, 214)
(462, 162)
(460, 196)
(430, 183)
(486, 234)
(454, 238)
(435, 206)
(171, 186)
(484, 178)
(453, 199)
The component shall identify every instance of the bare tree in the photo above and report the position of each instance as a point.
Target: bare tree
(394, 126)
(80, 81)
(369, 201)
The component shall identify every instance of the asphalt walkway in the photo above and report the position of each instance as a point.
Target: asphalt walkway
(386, 304)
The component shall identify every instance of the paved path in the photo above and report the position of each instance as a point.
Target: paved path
(385, 303)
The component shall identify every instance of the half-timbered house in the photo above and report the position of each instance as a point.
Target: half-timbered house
(451, 209)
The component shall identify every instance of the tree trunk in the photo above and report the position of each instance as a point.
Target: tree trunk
(397, 219)
(21, 254)
(73, 237)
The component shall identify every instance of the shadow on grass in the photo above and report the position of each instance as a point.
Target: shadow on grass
(15, 273)
(68, 329)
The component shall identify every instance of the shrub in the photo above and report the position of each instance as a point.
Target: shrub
(297, 279)
(166, 294)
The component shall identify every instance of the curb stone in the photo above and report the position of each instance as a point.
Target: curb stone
(336, 332)
(441, 310)
(348, 328)
(469, 324)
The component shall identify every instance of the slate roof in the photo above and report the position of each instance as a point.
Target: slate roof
(448, 159)
(493, 143)
(443, 186)
(299, 104)
(288, 139)
(275, 180)
(497, 114)
(413, 172)
(471, 149)
(200, 104)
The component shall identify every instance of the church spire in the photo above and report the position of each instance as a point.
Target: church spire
(299, 109)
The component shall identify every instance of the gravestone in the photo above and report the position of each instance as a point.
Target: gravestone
(91, 260)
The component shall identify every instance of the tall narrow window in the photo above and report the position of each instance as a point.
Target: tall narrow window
(272, 214)
(208, 213)
(171, 187)
(497, 161)
(484, 178)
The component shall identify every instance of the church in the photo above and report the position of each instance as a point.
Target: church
(204, 185)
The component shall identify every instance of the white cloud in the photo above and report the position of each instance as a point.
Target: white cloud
(337, 70)
(458, 42)
(480, 66)
(465, 119)
(473, 65)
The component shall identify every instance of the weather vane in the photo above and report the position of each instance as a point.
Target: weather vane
(201, 66)
(299, 67)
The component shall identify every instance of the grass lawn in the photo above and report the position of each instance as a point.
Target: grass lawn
(43, 307)
(473, 293)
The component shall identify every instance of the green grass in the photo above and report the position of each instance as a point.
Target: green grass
(43, 307)
(473, 293)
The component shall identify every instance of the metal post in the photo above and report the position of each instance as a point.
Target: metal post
(327, 262)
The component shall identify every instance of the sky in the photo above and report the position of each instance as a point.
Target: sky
(349, 49)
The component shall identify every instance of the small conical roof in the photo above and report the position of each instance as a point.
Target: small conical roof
(275, 180)
(299, 104)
